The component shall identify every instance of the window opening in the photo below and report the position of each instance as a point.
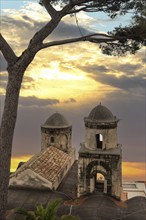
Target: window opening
(99, 140)
(52, 139)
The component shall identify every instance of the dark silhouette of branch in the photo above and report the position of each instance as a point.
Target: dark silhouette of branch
(7, 51)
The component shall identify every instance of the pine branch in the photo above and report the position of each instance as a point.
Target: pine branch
(50, 9)
(66, 10)
(92, 38)
(77, 10)
(7, 51)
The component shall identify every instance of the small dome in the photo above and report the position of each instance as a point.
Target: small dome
(101, 114)
(56, 120)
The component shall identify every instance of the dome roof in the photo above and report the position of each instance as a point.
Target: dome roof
(56, 120)
(101, 114)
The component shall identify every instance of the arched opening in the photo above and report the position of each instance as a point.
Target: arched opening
(99, 182)
(99, 141)
(98, 177)
(52, 140)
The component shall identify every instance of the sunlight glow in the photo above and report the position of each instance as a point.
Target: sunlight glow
(131, 171)
(16, 160)
(56, 75)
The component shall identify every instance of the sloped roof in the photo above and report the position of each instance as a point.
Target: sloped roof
(48, 164)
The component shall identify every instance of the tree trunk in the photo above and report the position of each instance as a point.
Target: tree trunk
(16, 71)
(6, 134)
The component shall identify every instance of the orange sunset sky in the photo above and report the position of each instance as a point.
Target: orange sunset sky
(72, 79)
(130, 170)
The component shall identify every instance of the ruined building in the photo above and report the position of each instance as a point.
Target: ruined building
(56, 132)
(47, 168)
(99, 162)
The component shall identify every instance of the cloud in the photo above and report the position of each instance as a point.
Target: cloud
(122, 82)
(71, 100)
(129, 69)
(66, 30)
(3, 77)
(95, 68)
(131, 130)
(120, 87)
(133, 171)
(20, 30)
(26, 18)
(141, 56)
(22, 26)
(126, 68)
(2, 84)
(32, 101)
(122, 76)
(28, 83)
(3, 81)
(144, 60)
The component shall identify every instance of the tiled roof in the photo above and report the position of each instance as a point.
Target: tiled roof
(48, 164)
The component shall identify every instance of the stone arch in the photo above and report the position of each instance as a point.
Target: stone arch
(96, 163)
(98, 185)
(98, 171)
(90, 176)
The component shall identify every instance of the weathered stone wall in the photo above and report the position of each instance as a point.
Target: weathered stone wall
(61, 136)
(109, 138)
(29, 179)
(117, 180)
(113, 178)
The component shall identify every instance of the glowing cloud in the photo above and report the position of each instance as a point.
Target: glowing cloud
(133, 171)
(16, 160)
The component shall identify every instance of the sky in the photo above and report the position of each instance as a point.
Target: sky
(72, 79)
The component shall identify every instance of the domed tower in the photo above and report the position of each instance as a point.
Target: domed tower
(99, 167)
(57, 132)
(100, 129)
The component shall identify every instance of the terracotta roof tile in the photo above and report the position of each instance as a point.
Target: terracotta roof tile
(48, 164)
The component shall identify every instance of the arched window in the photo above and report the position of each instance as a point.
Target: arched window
(99, 182)
(52, 139)
(99, 141)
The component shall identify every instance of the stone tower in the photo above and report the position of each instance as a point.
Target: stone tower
(56, 131)
(99, 165)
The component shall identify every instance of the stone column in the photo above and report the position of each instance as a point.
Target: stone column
(105, 186)
(92, 184)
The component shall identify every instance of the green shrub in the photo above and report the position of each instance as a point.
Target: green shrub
(42, 213)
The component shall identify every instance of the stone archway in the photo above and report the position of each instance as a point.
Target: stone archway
(96, 183)
(100, 182)
(92, 183)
